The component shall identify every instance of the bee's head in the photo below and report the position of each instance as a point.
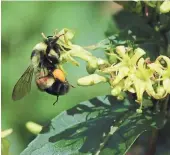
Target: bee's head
(51, 39)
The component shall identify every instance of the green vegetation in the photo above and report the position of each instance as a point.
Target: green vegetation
(132, 64)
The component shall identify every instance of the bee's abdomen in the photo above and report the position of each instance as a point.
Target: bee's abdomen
(58, 88)
(45, 82)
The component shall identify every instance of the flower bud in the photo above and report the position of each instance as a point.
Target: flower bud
(112, 59)
(6, 133)
(101, 61)
(121, 96)
(91, 80)
(116, 91)
(33, 127)
(91, 66)
(139, 111)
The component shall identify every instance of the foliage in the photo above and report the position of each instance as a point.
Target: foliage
(138, 77)
(92, 127)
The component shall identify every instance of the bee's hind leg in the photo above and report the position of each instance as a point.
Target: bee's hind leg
(56, 100)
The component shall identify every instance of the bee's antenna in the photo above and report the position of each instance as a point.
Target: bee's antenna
(60, 35)
(43, 35)
(56, 100)
(55, 33)
(57, 37)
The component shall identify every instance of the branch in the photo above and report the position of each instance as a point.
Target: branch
(152, 142)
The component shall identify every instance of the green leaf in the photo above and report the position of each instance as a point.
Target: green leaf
(138, 32)
(98, 126)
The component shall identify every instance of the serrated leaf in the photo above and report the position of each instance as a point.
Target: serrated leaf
(98, 126)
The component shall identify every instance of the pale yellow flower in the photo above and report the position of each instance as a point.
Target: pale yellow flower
(126, 65)
(163, 71)
(141, 80)
(71, 50)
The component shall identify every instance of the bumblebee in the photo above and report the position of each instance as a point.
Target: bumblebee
(48, 77)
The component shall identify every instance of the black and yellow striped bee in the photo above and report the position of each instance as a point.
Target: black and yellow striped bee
(48, 77)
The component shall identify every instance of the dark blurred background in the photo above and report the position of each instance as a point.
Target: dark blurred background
(22, 24)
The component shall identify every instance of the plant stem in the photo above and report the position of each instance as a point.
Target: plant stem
(152, 142)
(165, 105)
(155, 132)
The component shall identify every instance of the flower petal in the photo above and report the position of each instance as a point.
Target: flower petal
(140, 87)
(166, 85)
(121, 74)
(138, 53)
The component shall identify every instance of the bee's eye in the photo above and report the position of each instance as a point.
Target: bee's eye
(49, 36)
(50, 39)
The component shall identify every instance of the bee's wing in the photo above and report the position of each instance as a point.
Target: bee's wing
(23, 86)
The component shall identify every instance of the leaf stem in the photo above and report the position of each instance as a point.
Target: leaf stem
(152, 142)
(113, 128)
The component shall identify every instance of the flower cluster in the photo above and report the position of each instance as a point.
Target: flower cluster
(130, 72)
(125, 69)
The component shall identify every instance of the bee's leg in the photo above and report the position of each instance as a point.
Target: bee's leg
(56, 100)
(72, 86)
(51, 74)
(57, 49)
(47, 63)
(62, 69)
(43, 71)
(48, 50)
